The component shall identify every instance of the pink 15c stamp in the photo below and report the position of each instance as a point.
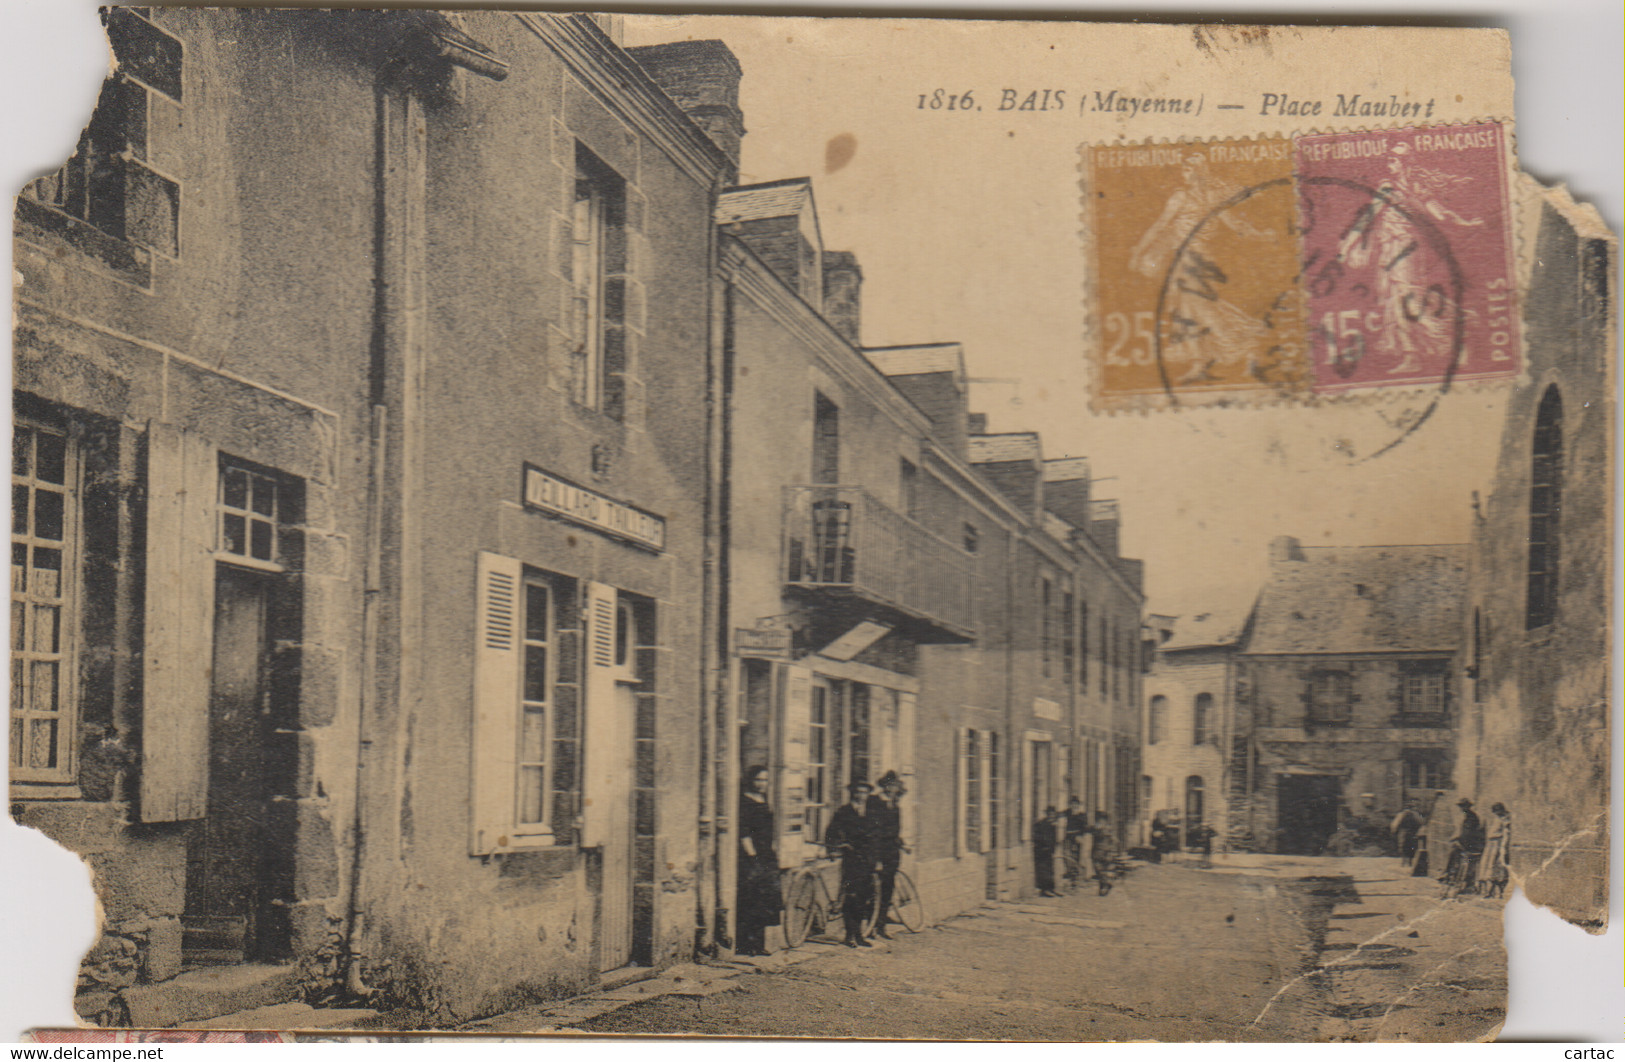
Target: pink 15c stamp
(1407, 257)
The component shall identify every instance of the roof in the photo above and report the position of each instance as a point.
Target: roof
(1203, 629)
(1014, 446)
(910, 361)
(1066, 469)
(776, 199)
(1361, 599)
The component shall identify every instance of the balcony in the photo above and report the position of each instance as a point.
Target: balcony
(842, 543)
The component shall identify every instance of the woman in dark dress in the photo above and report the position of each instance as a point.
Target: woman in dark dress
(759, 903)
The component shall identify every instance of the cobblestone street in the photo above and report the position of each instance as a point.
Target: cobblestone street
(1255, 948)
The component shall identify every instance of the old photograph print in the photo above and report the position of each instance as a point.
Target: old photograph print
(532, 522)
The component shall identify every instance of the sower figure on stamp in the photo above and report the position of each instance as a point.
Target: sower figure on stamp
(758, 865)
(851, 833)
(1044, 852)
(886, 810)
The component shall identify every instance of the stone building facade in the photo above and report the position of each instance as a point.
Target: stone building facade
(1347, 689)
(362, 571)
(1535, 675)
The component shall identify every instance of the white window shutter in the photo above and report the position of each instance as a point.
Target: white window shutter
(984, 833)
(498, 660)
(961, 789)
(601, 762)
(793, 774)
(183, 475)
(907, 703)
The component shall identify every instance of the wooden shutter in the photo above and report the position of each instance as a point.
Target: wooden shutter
(183, 474)
(907, 704)
(599, 732)
(984, 827)
(498, 655)
(793, 736)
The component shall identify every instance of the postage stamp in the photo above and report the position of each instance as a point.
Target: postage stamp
(1298, 267)
(1407, 258)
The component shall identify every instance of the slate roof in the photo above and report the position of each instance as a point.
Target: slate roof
(1217, 628)
(1362, 599)
(909, 361)
(777, 199)
(1014, 446)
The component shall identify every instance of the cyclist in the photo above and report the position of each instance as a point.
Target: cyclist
(1105, 852)
(852, 833)
(1072, 845)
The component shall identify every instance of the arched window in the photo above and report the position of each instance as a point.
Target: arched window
(1545, 510)
(1202, 719)
(1156, 719)
(1193, 803)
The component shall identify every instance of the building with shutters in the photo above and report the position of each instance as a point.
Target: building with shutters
(1535, 679)
(899, 597)
(362, 508)
(1347, 699)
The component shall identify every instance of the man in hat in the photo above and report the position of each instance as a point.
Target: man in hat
(1467, 843)
(1044, 840)
(852, 834)
(886, 810)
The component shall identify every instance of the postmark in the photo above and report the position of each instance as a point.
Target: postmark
(1297, 268)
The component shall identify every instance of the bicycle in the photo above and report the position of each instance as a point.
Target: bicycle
(810, 910)
(1460, 872)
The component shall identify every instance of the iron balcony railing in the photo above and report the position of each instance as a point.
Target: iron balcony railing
(843, 540)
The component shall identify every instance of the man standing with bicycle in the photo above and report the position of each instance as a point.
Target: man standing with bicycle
(1466, 848)
(853, 833)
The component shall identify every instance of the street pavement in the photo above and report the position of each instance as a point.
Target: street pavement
(1254, 948)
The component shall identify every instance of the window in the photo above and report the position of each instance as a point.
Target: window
(973, 791)
(1331, 697)
(1046, 625)
(528, 773)
(597, 253)
(1202, 719)
(44, 566)
(1424, 688)
(1424, 769)
(817, 760)
(1083, 645)
(972, 538)
(858, 733)
(826, 463)
(908, 488)
(108, 186)
(1545, 510)
(1068, 636)
(1156, 719)
(995, 789)
(248, 514)
(1105, 656)
(1193, 804)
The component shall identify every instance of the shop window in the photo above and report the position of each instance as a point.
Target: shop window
(817, 796)
(45, 551)
(1193, 804)
(1545, 510)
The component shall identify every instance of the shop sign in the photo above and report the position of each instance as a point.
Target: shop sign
(558, 496)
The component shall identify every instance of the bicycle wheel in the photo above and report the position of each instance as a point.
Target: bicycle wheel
(905, 904)
(803, 908)
(870, 915)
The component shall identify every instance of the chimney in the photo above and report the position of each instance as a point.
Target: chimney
(1284, 548)
(701, 77)
(976, 424)
(1066, 489)
(843, 294)
(1104, 523)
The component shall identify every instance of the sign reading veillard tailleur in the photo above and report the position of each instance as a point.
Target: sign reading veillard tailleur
(551, 494)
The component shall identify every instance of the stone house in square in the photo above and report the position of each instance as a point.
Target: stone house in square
(1348, 698)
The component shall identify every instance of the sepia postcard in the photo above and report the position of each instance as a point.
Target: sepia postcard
(557, 523)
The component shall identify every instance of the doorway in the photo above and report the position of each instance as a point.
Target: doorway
(239, 853)
(1306, 812)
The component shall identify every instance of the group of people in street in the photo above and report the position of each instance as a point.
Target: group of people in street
(1476, 853)
(1088, 849)
(865, 834)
